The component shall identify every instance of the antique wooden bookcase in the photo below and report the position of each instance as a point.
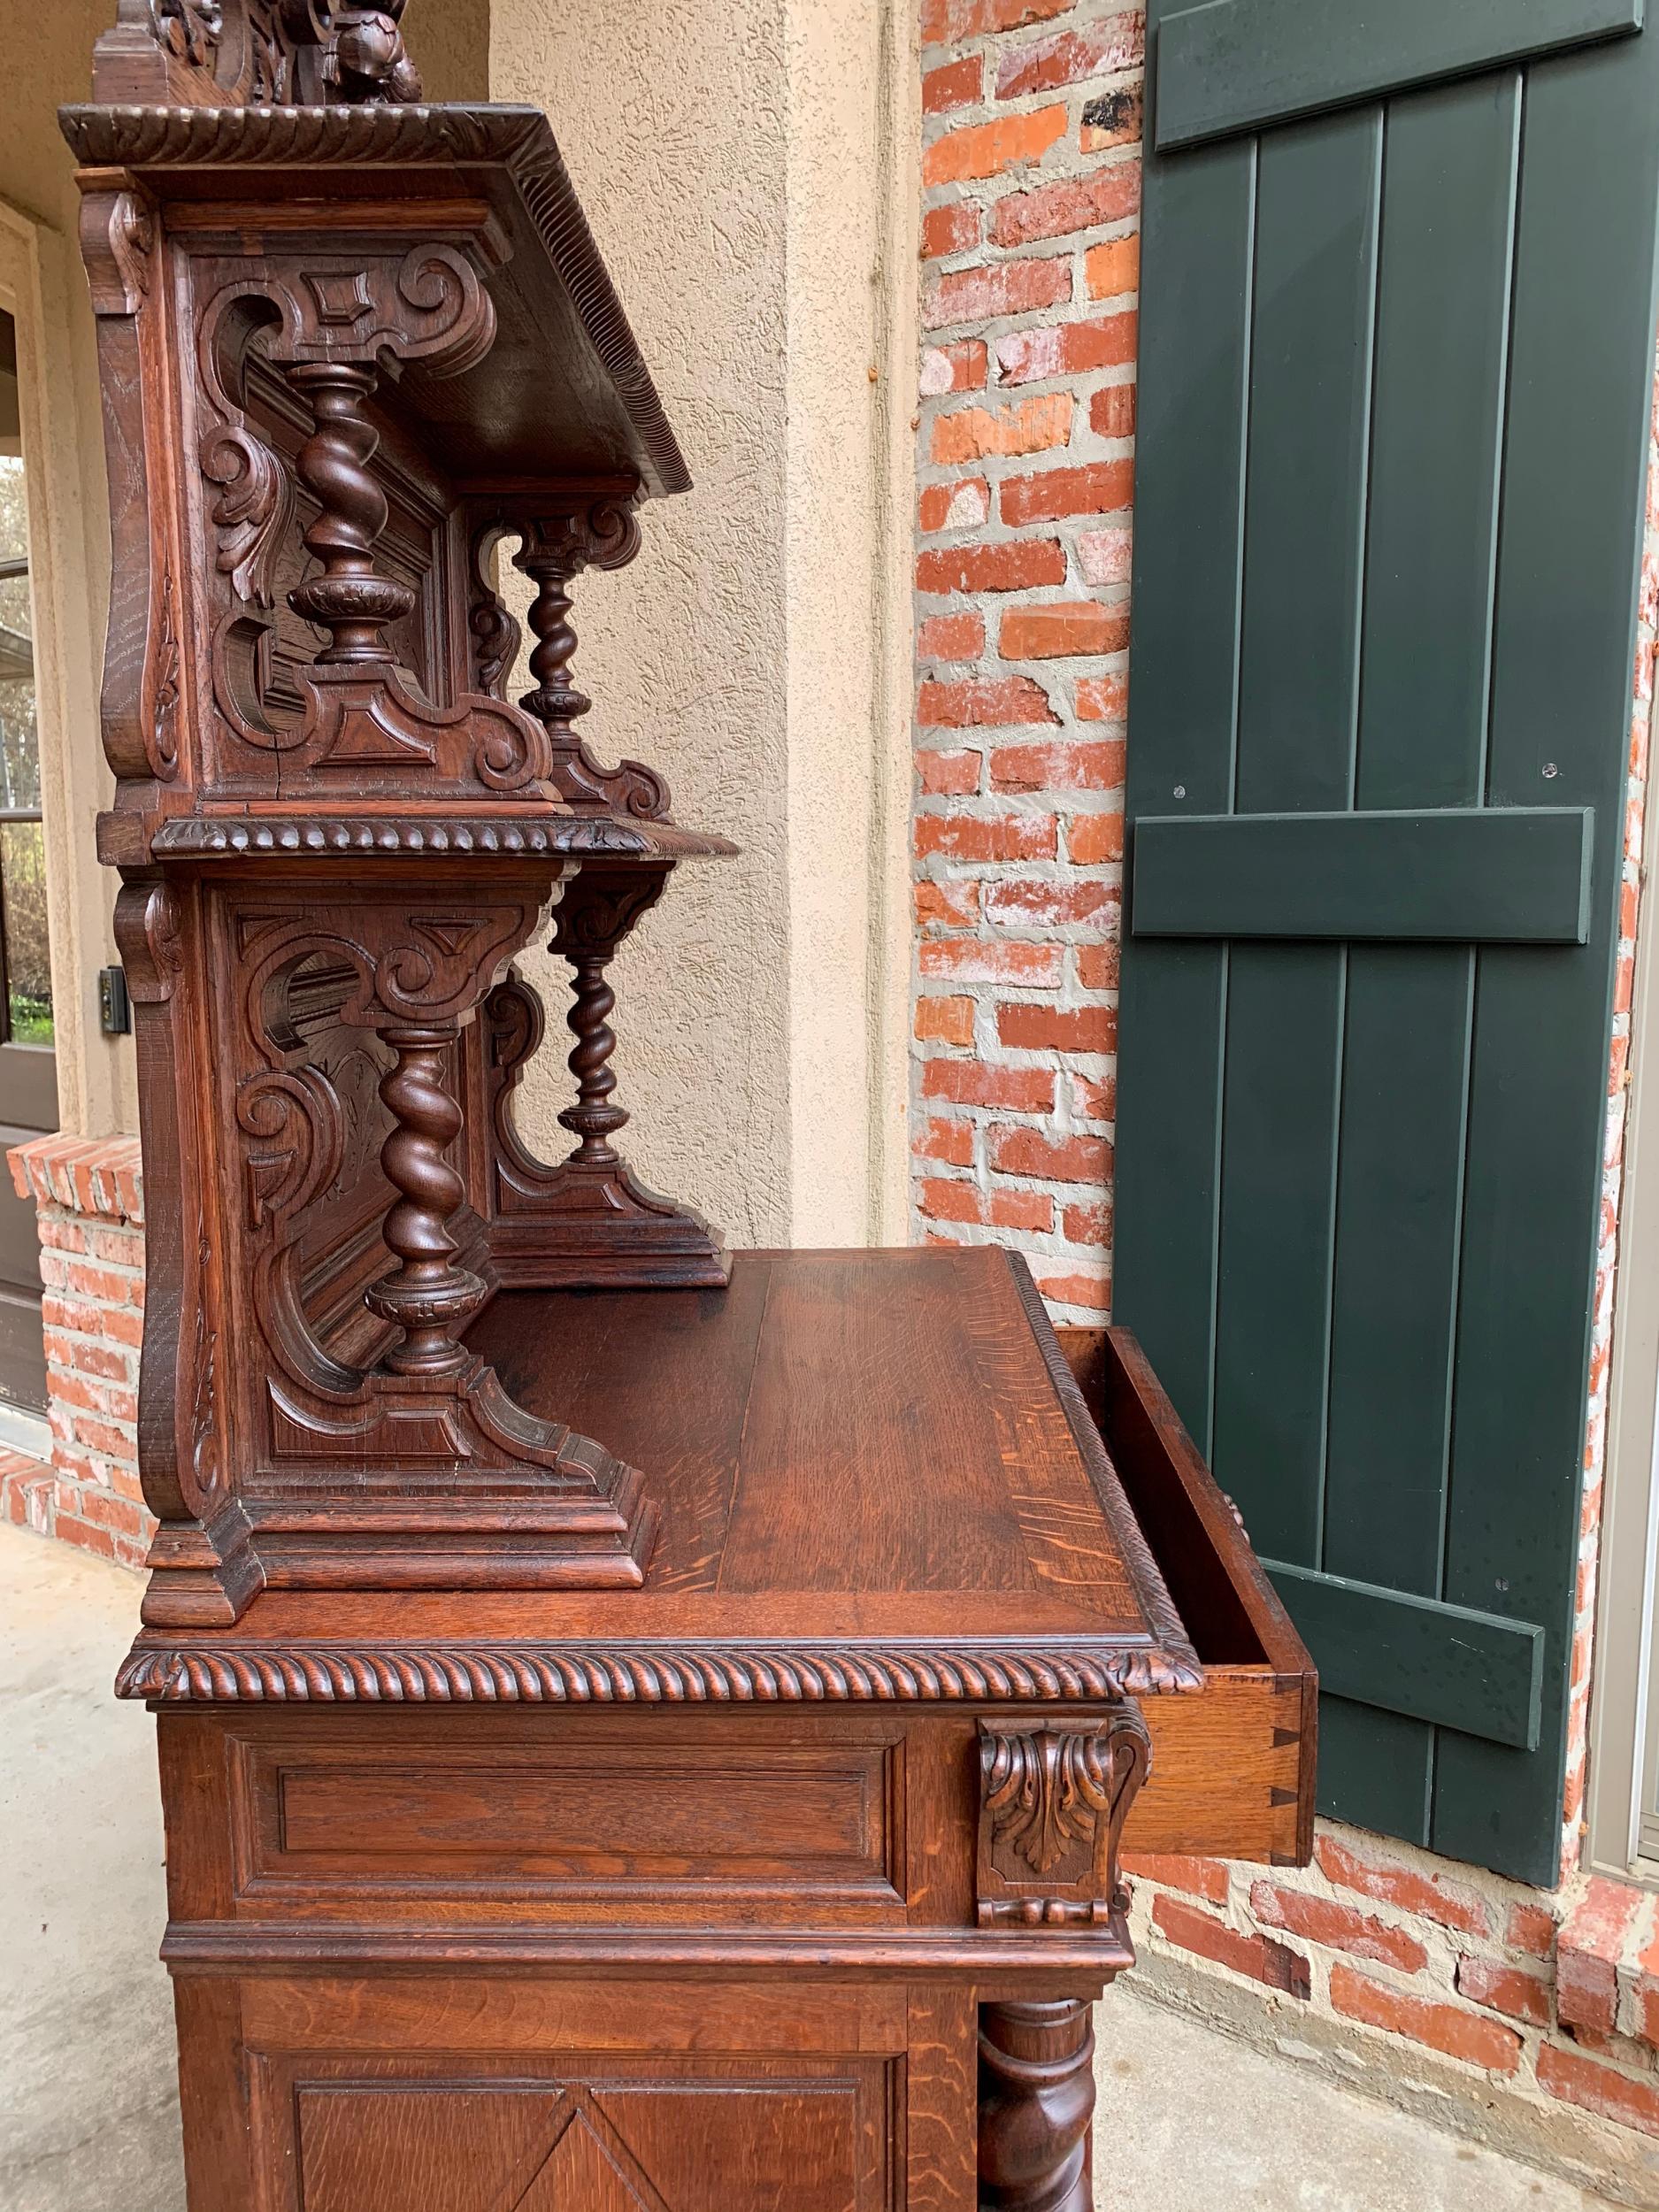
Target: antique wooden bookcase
(638, 1728)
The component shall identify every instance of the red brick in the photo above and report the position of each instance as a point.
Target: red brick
(955, 84)
(961, 366)
(945, 1020)
(1588, 1955)
(69, 1529)
(1632, 2103)
(1199, 1878)
(952, 228)
(1111, 119)
(986, 150)
(953, 775)
(943, 1201)
(976, 960)
(1532, 1929)
(970, 1083)
(947, 905)
(1051, 210)
(1019, 566)
(961, 504)
(1339, 1927)
(1030, 426)
(99, 1436)
(1026, 356)
(1044, 903)
(1105, 556)
(980, 703)
(951, 637)
(1030, 1210)
(1046, 64)
(1449, 2028)
(1093, 1291)
(1094, 840)
(1509, 1989)
(1097, 967)
(119, 1516)
(1099, 488)
(1092, 1225)
(1257, 1957)
(1112, 414)
(1087, 767)
(986, 836)
(106, 1288)
(1426, 1896)
(944, 22)
(949, 1142)
(1102, 698)
(1034, 1027)
(1112, 269)
(1067, 627)
(976, 295)
(1051, 1159)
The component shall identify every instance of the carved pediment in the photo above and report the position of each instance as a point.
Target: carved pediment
(254, 53)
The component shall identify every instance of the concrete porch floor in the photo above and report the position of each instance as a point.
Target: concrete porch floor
(88, 2119)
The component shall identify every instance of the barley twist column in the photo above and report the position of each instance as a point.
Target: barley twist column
(427, 1296)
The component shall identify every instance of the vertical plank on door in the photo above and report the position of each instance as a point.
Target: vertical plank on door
(1317, 202)
(1194, 380)
(1437, 425)
(1567, 563)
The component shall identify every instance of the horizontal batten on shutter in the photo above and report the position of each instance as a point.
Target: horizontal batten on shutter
(1432, 1662)
(1499, 875)
(1238, 65)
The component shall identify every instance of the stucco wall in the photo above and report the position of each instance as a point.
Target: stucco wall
(737, 164)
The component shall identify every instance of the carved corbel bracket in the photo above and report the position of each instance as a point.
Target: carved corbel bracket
(1053, 1800)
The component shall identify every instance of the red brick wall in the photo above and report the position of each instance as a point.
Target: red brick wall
(1032, 189)
(1029, 240)
(89, 1197)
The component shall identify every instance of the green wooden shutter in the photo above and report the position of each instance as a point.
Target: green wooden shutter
(1396, 358)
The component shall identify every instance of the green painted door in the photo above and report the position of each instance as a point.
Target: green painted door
(1396, 360)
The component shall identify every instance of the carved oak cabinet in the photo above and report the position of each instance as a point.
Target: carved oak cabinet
(640, 1727)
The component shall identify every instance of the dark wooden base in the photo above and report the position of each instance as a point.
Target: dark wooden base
(596, 1226)
(1036, 2104)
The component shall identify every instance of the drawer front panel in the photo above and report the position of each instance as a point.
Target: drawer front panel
(616, 1821)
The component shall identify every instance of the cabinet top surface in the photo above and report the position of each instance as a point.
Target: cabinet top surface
(877, 1478)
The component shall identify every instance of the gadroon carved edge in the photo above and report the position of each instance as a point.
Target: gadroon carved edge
(614, 1674)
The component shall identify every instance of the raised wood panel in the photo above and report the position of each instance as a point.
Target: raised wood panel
(619, 1817)
(715, 2139)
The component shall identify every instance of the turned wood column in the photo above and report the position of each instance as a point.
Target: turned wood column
(1036, 2102)
(428, 1296)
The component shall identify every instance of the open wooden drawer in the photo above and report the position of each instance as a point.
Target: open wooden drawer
(1233, 1768)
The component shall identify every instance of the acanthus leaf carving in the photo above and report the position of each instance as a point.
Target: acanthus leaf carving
(253, 512)
(1053, 1800)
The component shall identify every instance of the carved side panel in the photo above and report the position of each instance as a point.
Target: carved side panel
(1053, 1800)
(143, 706)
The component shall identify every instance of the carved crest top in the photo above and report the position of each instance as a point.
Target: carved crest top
(254, 53)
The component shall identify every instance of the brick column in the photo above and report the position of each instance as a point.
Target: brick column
(89, 1196)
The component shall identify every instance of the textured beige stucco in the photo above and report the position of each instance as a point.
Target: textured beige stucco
(735, 162)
